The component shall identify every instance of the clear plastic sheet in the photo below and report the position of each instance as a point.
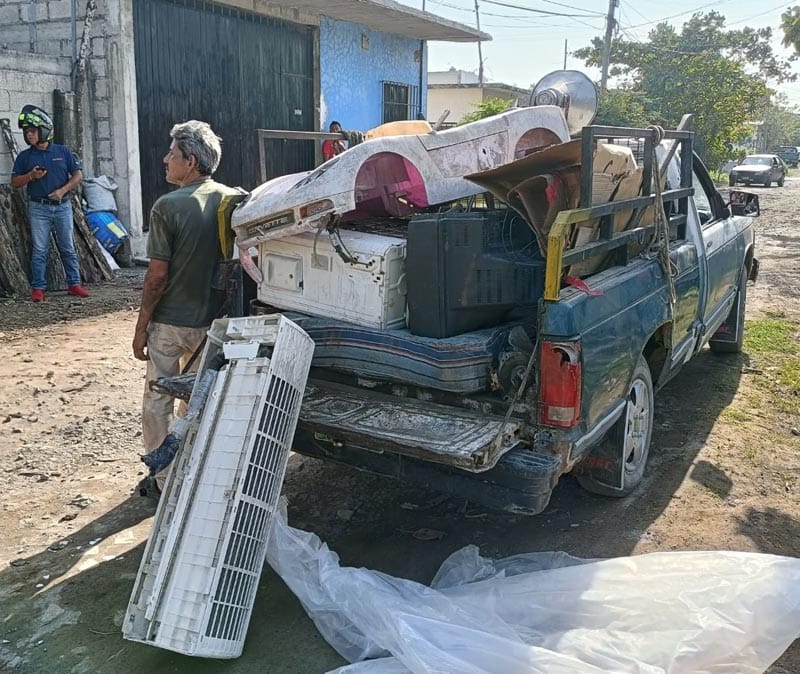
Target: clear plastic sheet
(671, 612)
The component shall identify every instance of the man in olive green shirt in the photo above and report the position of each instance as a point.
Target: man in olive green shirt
(178, 301)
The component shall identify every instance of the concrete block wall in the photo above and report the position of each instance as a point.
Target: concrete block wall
(36, 32)
(27, 78)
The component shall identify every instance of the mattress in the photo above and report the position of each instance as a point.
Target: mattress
(459, 364)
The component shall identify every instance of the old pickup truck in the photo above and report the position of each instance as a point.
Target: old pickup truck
(510, 349)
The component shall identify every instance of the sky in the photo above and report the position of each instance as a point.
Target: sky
(528, 45)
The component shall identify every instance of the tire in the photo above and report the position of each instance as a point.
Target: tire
(731, 181)
(735, 318)
(781, 181)
(630, 435)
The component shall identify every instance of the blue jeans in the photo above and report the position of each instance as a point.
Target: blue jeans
(44, 219)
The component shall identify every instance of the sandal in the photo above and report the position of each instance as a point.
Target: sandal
(148, 487)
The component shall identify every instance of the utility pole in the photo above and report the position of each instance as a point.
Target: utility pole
(610, 25)
(565, 54)
(480, 53)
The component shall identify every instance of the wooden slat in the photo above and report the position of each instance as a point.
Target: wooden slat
(15, 248)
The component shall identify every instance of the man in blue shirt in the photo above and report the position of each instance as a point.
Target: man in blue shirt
(49, 171)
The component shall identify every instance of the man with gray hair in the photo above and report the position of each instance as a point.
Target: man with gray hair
(178, 301)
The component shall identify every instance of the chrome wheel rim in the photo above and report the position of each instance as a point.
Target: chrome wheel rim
(637, 425)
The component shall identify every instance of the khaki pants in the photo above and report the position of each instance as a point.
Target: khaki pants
(169, 347)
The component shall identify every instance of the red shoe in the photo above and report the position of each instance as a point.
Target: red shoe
(78, 291)
(37, 295)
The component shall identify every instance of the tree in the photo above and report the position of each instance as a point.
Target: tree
(487, 108)
(790, 24)
(623, 107)
(719, 75)
(779, 126)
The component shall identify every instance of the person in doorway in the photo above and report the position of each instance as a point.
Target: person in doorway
(49, 172)
(178, 300)
(330, 148)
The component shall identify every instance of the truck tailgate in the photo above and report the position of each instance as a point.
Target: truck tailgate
(420, 429)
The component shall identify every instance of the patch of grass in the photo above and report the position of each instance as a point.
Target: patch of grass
(733, 414)
(773, 343)
(767, 337)
(754, 399)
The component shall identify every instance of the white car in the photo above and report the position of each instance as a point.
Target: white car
(393, 176)
(759, 168)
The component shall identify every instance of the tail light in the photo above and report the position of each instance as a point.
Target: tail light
(560, 383)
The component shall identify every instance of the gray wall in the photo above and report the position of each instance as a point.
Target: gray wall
(27, 78)
(36, 37)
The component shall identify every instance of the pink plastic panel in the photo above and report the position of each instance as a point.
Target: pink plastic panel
(388, 184)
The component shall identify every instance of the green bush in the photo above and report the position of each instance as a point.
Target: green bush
(487, 108)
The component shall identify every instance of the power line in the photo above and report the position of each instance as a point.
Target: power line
(547, 31)
(451, 6)
(635, 10)
(540, 11)
(755, 16)
(523, 17)
(675, 16)
(561, 4)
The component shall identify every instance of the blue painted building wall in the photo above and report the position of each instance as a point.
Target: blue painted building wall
(351, 75)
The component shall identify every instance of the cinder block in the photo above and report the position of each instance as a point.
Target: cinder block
(102, 110)
(103, 130)
(9, 15)
(105, 167)
(97, 65)
(103, 150)
(100, 87)
(59, 9)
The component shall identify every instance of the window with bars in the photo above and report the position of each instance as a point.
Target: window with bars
(399, 101)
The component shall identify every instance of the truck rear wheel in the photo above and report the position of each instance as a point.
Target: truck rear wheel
(630, 436)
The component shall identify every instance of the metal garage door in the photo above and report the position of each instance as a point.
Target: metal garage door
(235, 70)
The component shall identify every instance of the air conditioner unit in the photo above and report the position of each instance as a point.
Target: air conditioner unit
(198, 578)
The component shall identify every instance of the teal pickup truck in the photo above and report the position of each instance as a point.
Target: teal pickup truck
(501, 385)
(524, 332)
(790, 154)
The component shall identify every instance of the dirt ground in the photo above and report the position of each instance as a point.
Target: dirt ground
(723, 475)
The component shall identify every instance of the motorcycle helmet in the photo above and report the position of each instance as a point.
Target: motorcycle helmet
(36, 117)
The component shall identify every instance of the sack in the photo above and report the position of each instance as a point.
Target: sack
(99, 194)
(107, 229)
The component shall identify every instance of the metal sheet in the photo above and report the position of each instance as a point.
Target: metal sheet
(414, 428)
(235, 70)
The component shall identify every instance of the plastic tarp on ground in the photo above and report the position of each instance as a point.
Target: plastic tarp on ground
(670, 612)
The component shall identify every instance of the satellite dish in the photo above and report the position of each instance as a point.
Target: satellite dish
(571, 91)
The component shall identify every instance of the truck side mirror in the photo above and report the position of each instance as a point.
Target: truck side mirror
(744, 203)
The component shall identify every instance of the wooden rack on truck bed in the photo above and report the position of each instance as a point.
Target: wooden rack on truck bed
(609, 242)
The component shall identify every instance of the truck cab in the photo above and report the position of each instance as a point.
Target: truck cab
(790, 154)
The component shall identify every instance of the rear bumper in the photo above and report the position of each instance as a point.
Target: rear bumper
(521, 482)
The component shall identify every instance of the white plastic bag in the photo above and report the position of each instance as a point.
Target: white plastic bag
(99, 194)
(687, 612)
